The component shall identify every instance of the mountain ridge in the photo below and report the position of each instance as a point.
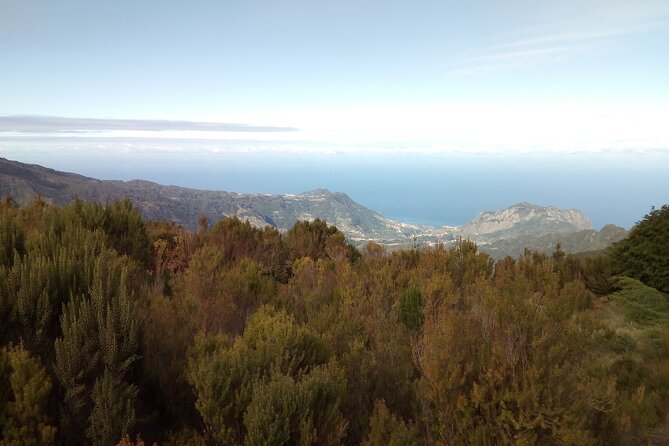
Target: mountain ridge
(184, 205)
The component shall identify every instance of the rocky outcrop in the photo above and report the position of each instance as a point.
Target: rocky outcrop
(524, 219)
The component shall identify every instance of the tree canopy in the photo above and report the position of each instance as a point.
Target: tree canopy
(114, 330)
(644, 253)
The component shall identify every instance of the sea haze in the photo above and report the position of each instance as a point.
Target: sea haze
(435, 189)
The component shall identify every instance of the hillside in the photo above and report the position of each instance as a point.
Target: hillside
(573, 242)
(502, 232)
(184, 205)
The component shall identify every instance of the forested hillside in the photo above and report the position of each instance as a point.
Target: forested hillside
(116, 330)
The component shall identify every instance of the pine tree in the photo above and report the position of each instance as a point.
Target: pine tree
(31, 281)
(98, 347)
(24, 419)
(6, 304)
(113, 409)
(55, 266)
(12, 237)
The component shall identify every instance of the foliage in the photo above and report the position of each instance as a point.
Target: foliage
(23, 403)
(186, 437)
(284, 410)
(507, 364)
(411, 308)
(317, 240)
(169, 327)
(388, 430)
(226, 380)
(240, 240)
(113, 409)
(643, 254)
(127, 441)
(641, 304)
(239, 335)
(638, 317)
(227, 295)
(97, 350)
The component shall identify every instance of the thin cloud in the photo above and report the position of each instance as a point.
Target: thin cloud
(583, 35)
(540, 52)
(57, 124)
(567, 38)
(501, 61)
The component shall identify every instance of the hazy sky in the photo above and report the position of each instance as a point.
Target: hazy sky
(479, 76)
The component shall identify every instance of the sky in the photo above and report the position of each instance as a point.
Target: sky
(359, 78)
(585, 75)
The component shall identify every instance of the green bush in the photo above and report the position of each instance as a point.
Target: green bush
(644, 253)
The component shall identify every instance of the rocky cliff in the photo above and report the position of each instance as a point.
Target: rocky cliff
(524, 219)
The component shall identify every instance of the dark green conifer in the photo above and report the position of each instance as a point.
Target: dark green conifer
(644, 253)
(98, 347)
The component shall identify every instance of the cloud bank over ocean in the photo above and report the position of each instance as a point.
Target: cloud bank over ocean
(475, 128)
(59, 124)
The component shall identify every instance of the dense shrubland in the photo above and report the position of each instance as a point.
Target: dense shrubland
(112, 328)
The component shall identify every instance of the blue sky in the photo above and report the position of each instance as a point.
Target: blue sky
(428, 76)
(427, 111)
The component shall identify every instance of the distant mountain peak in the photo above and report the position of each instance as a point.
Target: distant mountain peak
(524, 219)
(317, 192)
